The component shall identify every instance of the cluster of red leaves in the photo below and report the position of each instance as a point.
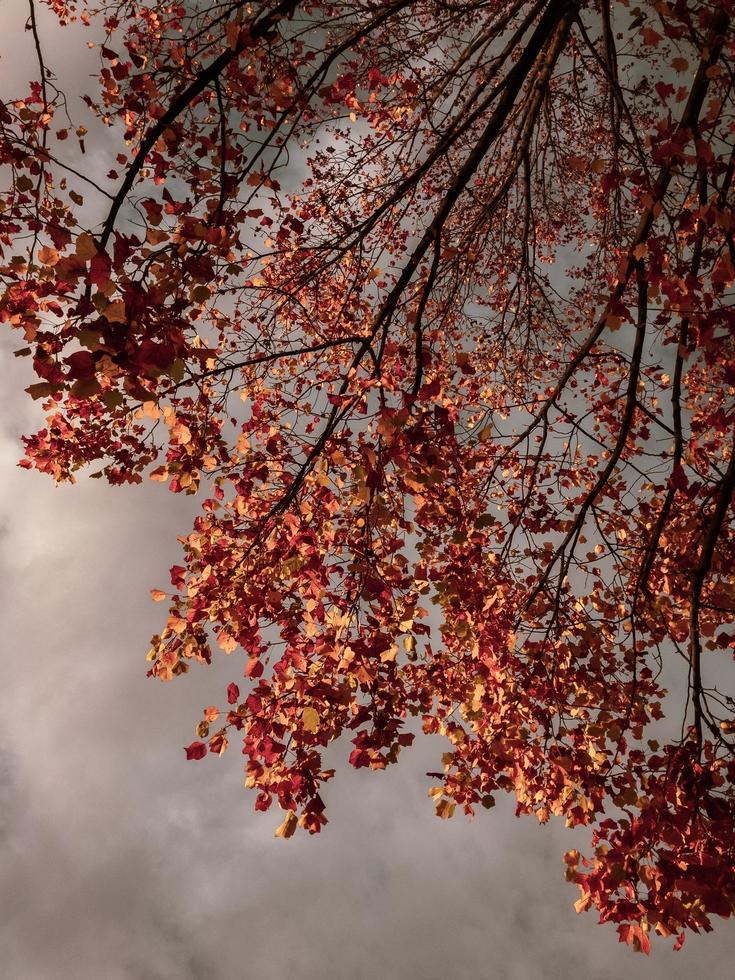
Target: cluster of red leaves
(432, 304)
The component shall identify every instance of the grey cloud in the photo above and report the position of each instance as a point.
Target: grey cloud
(121, 861)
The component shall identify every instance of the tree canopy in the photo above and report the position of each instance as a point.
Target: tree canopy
(429, 301)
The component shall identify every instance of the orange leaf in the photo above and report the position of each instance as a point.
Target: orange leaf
(288, 826)
(48, 256)
(85, 247)
(310, 720)
(227, 642)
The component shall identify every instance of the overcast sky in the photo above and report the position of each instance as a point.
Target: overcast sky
(118, 859)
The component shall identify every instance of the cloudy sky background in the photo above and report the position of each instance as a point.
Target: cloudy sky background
(120, 860)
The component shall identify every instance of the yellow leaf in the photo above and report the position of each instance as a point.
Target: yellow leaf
(151, 410)
(227, 642)
(310, 720)
(583, 903)
(158, 595)
(389, 656)
(288, 826)
(181, 433)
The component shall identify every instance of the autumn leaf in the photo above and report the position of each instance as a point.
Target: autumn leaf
(445, 809)
(287, 828)
(226, 642)
(180, 434)
(310, 720)
(197, 750)
(115, 312)
(48, 256)
(85, 248)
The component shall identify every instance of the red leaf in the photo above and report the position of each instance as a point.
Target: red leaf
(81, 364)
(679, 479)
